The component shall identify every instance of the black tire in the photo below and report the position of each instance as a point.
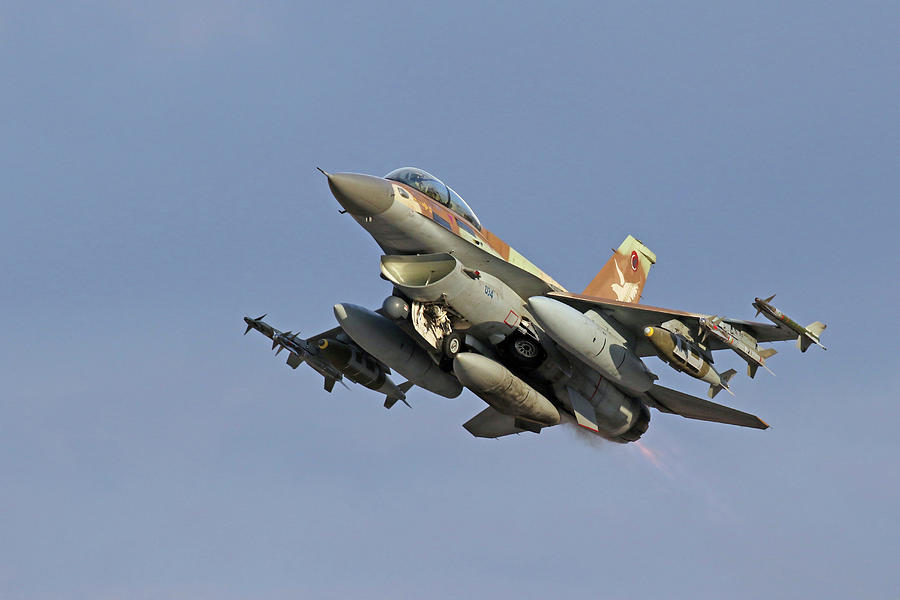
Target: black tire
(524, 351)
(452, 345)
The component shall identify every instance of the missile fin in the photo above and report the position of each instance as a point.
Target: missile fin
(724, 378)
(389, 402)
(294, 360)
(816, 328)
(727, 375)
(767, 300)
(329, 384)
(404, 387)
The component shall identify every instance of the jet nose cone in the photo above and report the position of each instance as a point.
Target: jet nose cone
(361, 195)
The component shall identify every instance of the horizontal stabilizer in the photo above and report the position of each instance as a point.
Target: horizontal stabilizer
(491, 424)
(690, 407)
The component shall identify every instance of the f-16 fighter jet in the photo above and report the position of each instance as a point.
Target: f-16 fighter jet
(468, 311)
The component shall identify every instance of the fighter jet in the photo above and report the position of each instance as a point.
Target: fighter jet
(468, 311)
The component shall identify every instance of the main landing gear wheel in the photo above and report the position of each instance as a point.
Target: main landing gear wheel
(524, 351)
(452, 345)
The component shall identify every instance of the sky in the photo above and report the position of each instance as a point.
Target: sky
(159, 183)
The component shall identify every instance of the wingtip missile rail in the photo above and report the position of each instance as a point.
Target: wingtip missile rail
(743, 344)
(806, 335)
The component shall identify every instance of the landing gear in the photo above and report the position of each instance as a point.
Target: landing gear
(452, 345)
(523, 351)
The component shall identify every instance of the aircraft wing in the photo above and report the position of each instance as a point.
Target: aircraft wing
(690, 407)
(637, 316)
(490, 423)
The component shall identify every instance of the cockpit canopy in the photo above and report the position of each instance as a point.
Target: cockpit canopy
(435, 188)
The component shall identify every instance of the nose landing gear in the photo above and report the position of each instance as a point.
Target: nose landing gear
(452, 345)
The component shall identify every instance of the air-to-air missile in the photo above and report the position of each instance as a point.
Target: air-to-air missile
(382, 338)
(333, 360)
(682, 356)
(806, 335)
(509, 395)
(741, 342)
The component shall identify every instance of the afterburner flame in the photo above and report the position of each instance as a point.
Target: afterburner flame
(652, 456)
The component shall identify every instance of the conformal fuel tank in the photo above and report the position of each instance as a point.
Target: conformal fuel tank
(594, 341)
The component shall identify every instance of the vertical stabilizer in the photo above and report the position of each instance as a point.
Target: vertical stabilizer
(624, 275)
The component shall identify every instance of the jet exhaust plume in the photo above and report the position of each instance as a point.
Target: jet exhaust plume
(653, 456)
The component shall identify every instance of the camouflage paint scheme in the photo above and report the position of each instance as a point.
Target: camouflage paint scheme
(484, 239)
(556, 356)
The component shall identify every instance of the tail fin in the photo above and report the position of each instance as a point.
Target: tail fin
(624, 275)
(767, 352)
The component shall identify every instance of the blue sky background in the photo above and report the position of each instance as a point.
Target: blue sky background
(158, 184)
